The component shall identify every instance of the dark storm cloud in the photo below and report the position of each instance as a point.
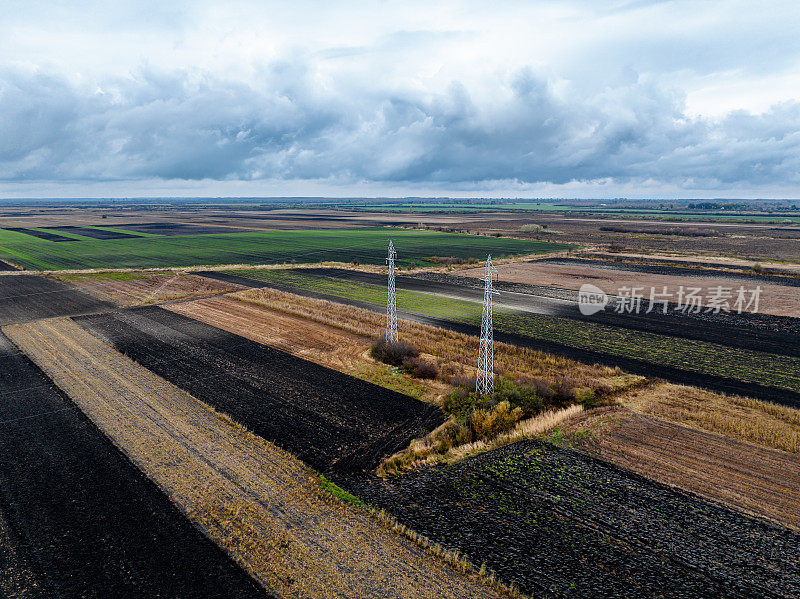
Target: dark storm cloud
(190, 125)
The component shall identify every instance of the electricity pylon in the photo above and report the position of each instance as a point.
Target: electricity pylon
(484, 384)
(391, 298)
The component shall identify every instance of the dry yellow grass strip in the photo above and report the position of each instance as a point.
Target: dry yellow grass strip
(745, 419)
(261, 504)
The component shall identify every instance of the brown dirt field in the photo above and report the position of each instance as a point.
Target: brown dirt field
(307, 339)
(749, 420)
(329, 346)
(261, 504)
(775, 299)
(747, 241)
(751, 478)
(149, 287)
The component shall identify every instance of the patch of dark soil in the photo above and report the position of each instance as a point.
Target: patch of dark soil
(332, 421)
(560, 523)
(95, 233)
(84, 519)
(6, 266)
(40, 234)
(24, 298)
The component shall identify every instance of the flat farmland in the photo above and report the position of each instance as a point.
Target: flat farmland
(28, 297)
(77, 519)
(126, 289)
(46, 235)
(330, 420)
(94, 233)
(560, 523)
(751, 478)
(264, 506)
(176, 228)
(326, 344)
(764, 333)
(366, 245)
(727, 369)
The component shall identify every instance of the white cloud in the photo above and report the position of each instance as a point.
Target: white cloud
(448, 96)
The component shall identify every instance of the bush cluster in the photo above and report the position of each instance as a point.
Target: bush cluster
(393, 352)
(422, 369)
(404, 355)
(482, 417)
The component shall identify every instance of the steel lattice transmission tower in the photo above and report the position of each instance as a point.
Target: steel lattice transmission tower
(484, 384)
(391, 298)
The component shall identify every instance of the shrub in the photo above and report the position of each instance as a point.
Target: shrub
(487, 424)
(587, 398)
(394, 353)
(420, 368)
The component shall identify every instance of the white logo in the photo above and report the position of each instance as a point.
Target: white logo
(591, 299)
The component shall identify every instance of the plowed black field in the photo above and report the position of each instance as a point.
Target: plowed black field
(673, 268)
(93, 233)
(332, 421)
(40, 234)
(24, 298)
(77, 519)
(560, 523)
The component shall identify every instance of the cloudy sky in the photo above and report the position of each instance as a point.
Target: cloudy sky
(573, 98)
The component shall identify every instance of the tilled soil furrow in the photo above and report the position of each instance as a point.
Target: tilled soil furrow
(87, 521)
(24, 298)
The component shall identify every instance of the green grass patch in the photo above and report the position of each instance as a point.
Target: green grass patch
(391, 378)
(332, 488)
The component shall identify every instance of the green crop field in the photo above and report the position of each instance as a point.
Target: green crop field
(367, 245)
(697, 356)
